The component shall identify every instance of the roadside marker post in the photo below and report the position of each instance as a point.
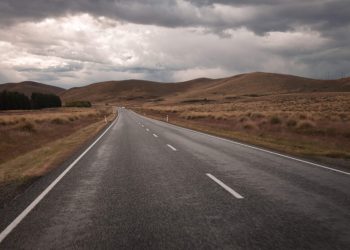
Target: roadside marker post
(167, 118)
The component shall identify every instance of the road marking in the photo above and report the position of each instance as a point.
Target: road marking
(227, 188)
(171, 147)
(32, 205)
(142, 125)
(147, 129)
(252, 147)
(155, 135)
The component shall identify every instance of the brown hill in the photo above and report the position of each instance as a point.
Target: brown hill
(266, 84)
(130, 90)
(245, 84)
(29, 87)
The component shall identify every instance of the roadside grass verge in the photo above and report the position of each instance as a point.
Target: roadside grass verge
(19, 170)
(284, 143)
(313, 125)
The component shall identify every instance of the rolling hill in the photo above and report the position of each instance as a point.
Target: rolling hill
(131, 90)
(29, 87)
(245, 84)
(136, 91)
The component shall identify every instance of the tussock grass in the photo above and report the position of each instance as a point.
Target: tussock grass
(291, 123)
(22, 131)
(319, 121)
(306, 125)
(275, 120)
(28, 127)
(33, 142)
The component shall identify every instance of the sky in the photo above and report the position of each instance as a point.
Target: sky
(74, 43)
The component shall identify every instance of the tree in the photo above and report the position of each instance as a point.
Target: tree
(40, 101)
(13, 100)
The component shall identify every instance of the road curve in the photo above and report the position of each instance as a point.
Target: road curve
(151, 185)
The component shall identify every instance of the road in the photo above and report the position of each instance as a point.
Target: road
(147, 184)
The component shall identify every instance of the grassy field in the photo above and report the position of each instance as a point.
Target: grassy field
(34, 142)
(313, 124)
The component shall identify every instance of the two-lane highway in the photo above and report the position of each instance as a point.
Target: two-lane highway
(151, 185)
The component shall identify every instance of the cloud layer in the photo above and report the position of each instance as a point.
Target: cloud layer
(78, 42)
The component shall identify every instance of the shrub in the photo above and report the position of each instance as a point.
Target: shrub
(257, 116)
(302, 116)
(27, 127)
(275, 120)
(243, 119)
(249, 125)
(79, 104)
(71, 118)
(57, 121)
(291, 123)
(305, 125)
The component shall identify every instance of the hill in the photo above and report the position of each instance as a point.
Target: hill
(131, 90)
(268, 83)
(245, 84)
(29, 87)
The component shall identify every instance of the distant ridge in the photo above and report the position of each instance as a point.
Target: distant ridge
(251, 84)
(257, 83)
(28, 87)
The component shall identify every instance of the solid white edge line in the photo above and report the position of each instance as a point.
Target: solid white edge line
(32, 205)
(253, 147)
(155, 135)
(171, 147)
(224, 186)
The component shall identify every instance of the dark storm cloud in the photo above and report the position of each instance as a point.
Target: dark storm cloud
(266, 15)
(184, 39)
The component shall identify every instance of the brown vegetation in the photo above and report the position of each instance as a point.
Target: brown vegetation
(312, 124)
(33, 142)
(287, 113)
(203, 90)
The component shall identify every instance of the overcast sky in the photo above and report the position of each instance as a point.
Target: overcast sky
(73, 43)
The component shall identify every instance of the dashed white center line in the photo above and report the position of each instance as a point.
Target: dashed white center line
(227, 188)
(155, 135)
(171, 147)
(147, 129)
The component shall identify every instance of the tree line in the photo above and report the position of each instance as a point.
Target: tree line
(80, 104)
(10, 100)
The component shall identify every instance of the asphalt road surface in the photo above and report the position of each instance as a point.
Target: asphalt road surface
(151, 185)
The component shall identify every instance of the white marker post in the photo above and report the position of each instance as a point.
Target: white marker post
(167, 118)
(105, 119)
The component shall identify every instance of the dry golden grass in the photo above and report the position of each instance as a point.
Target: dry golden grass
(319, 121)
(22, 131)
(32, 143)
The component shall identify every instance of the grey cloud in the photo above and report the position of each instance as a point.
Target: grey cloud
(269, 15)
(53, 69)
(185, 50)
